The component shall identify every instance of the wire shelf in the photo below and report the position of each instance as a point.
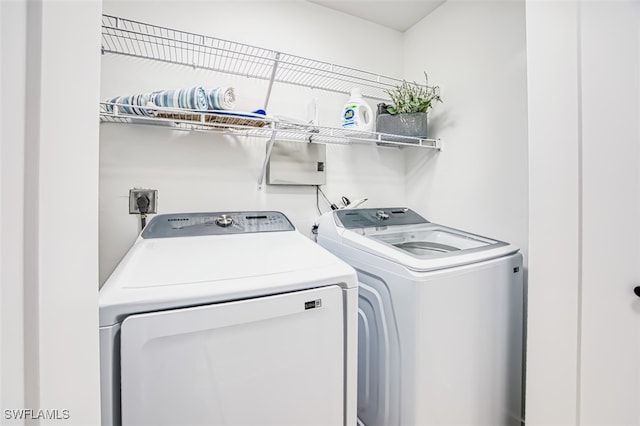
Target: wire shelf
(249, 124)
(138, 39)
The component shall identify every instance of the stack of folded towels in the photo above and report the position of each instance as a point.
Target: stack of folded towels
(196, 98)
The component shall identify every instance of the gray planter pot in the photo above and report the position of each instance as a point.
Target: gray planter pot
(406, 124)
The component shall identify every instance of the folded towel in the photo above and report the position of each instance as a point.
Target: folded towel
(189, 98)
(129, 104)
(196, 98)
(221, 98)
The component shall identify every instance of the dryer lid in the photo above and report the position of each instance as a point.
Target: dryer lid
(164, 273)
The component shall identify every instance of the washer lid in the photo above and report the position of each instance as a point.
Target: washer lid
(432, 240)
(164, 273)
(403, 236)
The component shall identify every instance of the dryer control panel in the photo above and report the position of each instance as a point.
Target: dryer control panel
(388, 216)
(216, 223)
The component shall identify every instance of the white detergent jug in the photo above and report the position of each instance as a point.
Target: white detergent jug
(357, 114)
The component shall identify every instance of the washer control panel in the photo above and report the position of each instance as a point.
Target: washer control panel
(224, 220)
(366, 218)
(216, 223)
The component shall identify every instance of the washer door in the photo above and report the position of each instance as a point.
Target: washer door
(276, 360)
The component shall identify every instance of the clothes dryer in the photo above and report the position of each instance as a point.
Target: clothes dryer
(440, 319)
(228, 319)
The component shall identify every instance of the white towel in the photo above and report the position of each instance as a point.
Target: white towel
(221, 98)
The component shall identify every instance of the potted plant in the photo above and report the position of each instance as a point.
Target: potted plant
(407, 113)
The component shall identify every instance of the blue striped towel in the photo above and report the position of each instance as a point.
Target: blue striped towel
(130, 104)
(189, 98)
(196, 98)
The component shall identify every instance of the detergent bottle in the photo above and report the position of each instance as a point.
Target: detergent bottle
(357, 114)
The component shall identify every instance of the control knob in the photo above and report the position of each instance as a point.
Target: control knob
(224, 220)
(382, 215)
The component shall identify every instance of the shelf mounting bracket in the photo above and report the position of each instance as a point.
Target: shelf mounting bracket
(263, 172)
(276, 61)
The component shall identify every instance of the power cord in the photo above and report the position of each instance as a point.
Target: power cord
(318, 200)
(143, 207)
(333, 206)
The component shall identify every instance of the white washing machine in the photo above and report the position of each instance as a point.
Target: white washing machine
(228, 319)
(440, 319)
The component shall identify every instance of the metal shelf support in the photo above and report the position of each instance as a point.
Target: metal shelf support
(263, 173)
(273, 76)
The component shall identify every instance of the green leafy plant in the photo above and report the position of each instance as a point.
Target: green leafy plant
(413, 97)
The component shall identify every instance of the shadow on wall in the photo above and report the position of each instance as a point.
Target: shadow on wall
(440, 122)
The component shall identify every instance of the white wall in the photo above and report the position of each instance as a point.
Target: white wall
(552, 60)
(475, 51)
(13, 36)
(50, 182)
(610, 312)
(208, 172)
(64, 250)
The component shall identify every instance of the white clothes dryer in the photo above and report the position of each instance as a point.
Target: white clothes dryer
(228, 319)
(440, 319)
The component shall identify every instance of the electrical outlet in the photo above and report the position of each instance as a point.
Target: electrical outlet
(136, 193)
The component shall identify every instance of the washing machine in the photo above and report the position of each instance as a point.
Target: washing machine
(228, 319)
(440, 319)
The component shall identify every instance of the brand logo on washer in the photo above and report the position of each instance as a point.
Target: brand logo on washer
(312, 304)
